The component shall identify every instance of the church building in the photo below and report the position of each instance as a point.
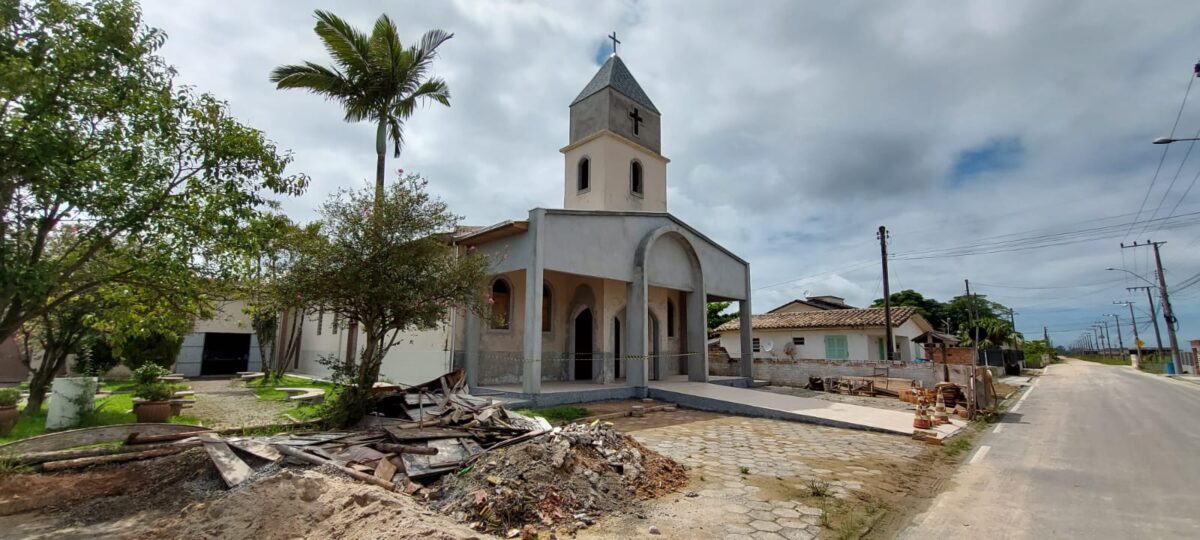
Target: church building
(610, 289)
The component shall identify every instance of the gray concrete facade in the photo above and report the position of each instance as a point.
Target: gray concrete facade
(609, 110)
(635, 252)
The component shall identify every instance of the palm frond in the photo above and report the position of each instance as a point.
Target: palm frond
(313, 77)
(434, 39)
(396, 133)
(347, 45)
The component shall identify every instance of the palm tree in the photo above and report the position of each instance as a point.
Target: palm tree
(374, 77)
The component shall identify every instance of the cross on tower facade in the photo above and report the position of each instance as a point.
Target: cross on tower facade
(615, 41)
(637, 120)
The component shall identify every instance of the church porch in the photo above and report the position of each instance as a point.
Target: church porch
(582, 332)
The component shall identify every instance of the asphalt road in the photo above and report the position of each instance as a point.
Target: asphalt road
(1090, 451)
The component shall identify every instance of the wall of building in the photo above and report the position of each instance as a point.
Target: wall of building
(863, 344)
(227, 319)
(787, 372)
(416, 357)
(608, 178)
(501, 348)
(605, 245)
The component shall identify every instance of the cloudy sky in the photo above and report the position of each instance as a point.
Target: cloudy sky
(972, 130)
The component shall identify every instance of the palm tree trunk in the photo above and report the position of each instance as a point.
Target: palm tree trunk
(380, 157)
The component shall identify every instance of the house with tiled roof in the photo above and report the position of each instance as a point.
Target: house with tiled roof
(828, 334)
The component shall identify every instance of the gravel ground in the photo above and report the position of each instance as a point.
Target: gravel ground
(881, 402)
(222, 403)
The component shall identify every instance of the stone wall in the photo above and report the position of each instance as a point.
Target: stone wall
(787, 372)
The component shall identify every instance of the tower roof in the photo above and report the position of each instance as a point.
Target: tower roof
(614, 74)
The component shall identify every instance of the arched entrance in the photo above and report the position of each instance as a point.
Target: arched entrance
(583, 345)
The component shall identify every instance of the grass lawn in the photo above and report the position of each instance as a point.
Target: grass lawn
(562, 414)
(267, 391)
(109, 410)
(1107, 360)
(303, 411)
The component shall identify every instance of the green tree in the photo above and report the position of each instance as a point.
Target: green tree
(126, 312)
(374, 77)
(94, 133)
(931, 309)
(388, 265)
(270, 308)
(716, 317)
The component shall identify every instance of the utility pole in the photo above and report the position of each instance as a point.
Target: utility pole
(887, 295)
(1153, 317)
(1120, 339)
(1046, 337)
(1168, 314)
(1108, 338)
(1137, 341)
(974, 349)
(1012, 319)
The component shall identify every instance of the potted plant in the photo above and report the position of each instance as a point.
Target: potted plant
(8, 409)
(155, 405)
(155, 394)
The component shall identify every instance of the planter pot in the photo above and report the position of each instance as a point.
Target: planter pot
(155, 412)
(71, 398)
(8, 419)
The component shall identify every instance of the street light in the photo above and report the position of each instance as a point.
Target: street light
(1133, 274)
(1168, 140)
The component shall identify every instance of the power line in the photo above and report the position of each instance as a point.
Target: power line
(1161, 159)
(1048, 288)
(1167, 192)
(1041, 241)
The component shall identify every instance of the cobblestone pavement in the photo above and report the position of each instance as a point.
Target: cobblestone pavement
(222, 403)
(750, 476)
(889, 403)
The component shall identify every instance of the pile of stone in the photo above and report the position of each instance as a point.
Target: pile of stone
(561, 481)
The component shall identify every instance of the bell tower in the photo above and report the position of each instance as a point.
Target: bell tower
(613, 160)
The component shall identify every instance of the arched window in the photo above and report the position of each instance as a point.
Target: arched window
(635, 177)
(670, 318)
(546, 311)
(501, 305)
(585, 174)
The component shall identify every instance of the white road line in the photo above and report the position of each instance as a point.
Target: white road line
(983, 450)
(998, 428)
(1015, 407)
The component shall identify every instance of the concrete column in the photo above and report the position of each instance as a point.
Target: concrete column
(697, 334)
(471, 349)
(634, 330)
(531, 374)
(746, 364)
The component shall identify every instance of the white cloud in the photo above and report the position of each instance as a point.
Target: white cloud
(794, 129)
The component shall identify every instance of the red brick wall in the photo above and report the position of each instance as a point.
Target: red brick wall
(954, 355)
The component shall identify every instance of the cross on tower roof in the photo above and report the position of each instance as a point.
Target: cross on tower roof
(615, 41)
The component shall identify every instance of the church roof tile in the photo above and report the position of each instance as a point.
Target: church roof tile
(614, 74)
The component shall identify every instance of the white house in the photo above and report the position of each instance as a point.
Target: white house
(827, 334)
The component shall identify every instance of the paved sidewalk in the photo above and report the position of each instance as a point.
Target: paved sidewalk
(750, 475)
(751, 402)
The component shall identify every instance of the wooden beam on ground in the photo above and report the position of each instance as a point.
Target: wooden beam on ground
(34, 458)
(63, 440)
(316, 460)
(406, 449)
(80, 463)
(233, 470)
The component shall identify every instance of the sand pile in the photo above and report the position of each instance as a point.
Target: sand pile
(311, 504)
(561, 481)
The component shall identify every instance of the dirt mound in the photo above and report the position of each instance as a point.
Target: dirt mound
(561, 481)
(310, 504)
(85, 492)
